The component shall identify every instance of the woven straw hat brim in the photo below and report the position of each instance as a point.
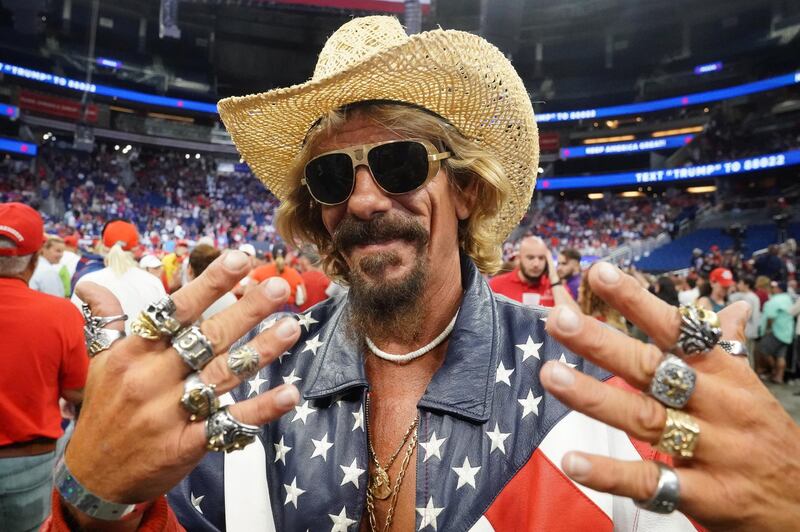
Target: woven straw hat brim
(454, 74)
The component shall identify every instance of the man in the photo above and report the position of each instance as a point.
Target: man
(173, 265)
(535, 281)
(314, 279)
(744, 292)
(153, 265)
(421, 360)
(721, 280)
(132, 286)
(569, 270)
(48, 278)
(278, 268)
(777, 333)
(43, 359)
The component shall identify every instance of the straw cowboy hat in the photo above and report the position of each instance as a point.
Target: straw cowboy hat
(459, 76)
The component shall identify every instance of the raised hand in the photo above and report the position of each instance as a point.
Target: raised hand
(134, 440)
(745, 468)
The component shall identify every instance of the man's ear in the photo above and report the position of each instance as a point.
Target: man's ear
(465, 200)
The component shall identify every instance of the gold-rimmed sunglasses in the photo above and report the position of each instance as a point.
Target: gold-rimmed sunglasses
(397, 166)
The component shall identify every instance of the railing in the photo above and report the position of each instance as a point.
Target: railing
(628, 253)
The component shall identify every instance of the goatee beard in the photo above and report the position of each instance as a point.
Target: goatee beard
(379, 308)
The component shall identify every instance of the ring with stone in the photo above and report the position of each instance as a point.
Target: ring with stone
(673, 382)
(162, 315)
(193, 347)
(700, 330)
(199, 398)
(225, 433)
(243, 362)
(668, 492)
(680, 436)
(733, 347)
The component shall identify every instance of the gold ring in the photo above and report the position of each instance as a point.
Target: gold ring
(680, 436)
(144, 327)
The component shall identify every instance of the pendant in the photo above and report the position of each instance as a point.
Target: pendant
(379, 484)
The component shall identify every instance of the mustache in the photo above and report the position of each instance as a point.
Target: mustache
(353, 232)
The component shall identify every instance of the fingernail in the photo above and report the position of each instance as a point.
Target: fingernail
(235, 260)
(287, 328)
(561, 375)
(568, 320)
(608, 273)
(287, 396)
(576, 466)
(276, 288)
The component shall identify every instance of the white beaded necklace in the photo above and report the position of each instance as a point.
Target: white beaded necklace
(414, 354)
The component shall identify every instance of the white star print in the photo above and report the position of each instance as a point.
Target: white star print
(196, 501)
(292, 493)
(291, 378)
(466, 473)
(305, 320)
(429, 514)
(530, 404)
(321, 447)
(563, 360)
(503, 374)
(529, 349)
(498, 438)
(432, 447)
(302, 412)
(312, 345)
(341, 522)
(280, 357)
(351, 474)
(255, 385)
(359, 422)
(281, 451)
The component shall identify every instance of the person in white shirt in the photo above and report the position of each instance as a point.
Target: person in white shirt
(71, 256)
(46, 277)
(132, 286)
(744, 292)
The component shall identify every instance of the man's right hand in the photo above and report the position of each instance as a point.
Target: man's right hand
(134, 441)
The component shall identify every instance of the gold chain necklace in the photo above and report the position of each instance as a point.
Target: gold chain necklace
(379, 484)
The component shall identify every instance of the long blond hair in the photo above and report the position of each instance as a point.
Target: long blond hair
(471, 167)
(119, 260)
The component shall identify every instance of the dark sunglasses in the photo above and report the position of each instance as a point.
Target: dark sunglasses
(397, 166)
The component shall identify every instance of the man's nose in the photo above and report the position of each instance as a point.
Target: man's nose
(367, 198)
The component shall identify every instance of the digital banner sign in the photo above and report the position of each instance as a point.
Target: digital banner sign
(381, 6)
(15, 146)
(686, 173)
(9, 111)
(671, 103)
(614, 148)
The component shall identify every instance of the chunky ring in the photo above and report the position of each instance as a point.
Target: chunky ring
(733, 347)
(700, 330)
(226, 433)
(98, 322)
(673, 382)
(142, 326)
(199, 398)
(668, 492)
(243, 362)
(193, 347)
(680, 436)
(98, 340)
(162, 316)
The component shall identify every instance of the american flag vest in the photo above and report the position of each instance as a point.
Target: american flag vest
(490, 438)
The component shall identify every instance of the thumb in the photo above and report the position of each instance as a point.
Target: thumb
(101, 301)
(733, 319)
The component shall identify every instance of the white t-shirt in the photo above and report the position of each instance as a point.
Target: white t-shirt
(219, 305)
(70, 260)
(135, 289)
(751, 328)
(688, 297)
(45, 278)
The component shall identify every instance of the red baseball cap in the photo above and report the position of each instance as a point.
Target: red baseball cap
(723, 276)
(71, 240)
(23, 226)
(123, 232)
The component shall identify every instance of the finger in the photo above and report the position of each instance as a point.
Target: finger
(101, 301)
(733, 319)
(226, 327)
(269, 344)
(657, 319)
(258, 410)
(220, 276)
(627, 357)
(639, 415)
(637, 480)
